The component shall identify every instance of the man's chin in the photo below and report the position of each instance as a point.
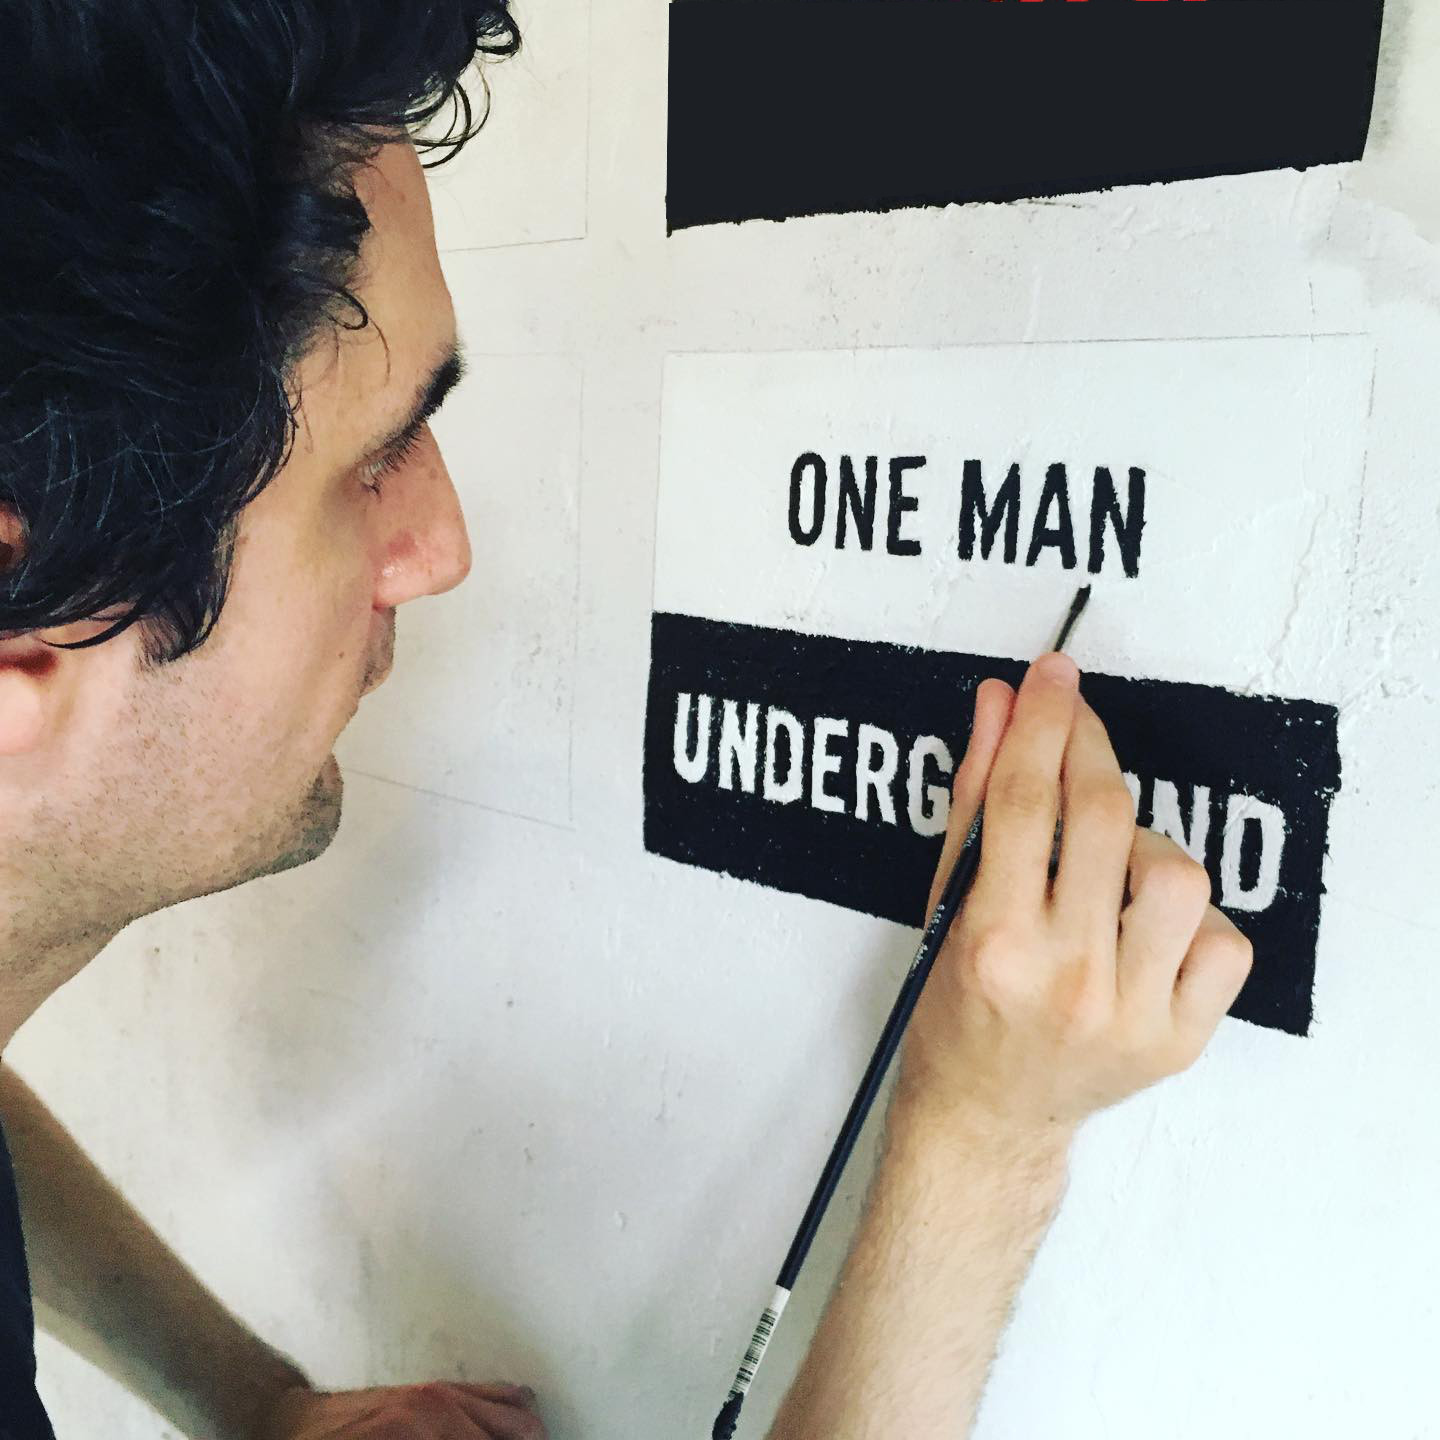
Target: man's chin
(317, 822)
(322, 814)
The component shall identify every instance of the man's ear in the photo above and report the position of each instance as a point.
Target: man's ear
(22, 710)
(32, 674)
(28, 672)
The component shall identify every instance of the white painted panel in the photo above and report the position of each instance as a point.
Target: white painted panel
(1253, 452)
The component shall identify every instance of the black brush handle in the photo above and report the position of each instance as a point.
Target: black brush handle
(957, 886)
(962, 874)
(952, 897)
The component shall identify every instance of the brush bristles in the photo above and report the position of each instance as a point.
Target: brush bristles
(726, 1420)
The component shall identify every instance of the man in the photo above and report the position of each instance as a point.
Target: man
(195, 597)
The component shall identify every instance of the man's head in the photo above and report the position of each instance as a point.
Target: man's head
(219, 292)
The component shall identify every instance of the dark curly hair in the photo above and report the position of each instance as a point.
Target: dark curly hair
(178, 226)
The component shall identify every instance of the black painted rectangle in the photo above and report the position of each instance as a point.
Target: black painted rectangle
(1173, 736)
(780, 108)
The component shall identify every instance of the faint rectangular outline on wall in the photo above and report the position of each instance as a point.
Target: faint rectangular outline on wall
(510, 147)
(429, 646)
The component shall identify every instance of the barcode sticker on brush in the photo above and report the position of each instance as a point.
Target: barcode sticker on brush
(759, 1340)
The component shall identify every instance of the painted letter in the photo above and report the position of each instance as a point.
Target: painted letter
(1105, 505)
(1168, 820)
(900, 502)
(738, 744)
(972, 508)
(778, 719)
(817, 509)
(863, 510)
(692, 767)
(823, 763)
(1240, 811)
(933, 820)
(1062, 536)
(870, 739)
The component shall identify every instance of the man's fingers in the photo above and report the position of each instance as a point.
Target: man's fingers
(1214, 972)
(1169, 893)
(500, 1390)
(1023, 796)
(500, 1421)
(1097, 833)
(993, 702)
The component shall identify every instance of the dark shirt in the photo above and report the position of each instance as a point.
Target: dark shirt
(22, 1416)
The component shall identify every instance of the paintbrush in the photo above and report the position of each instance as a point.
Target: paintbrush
(957, 887)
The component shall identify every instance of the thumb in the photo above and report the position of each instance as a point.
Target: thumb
(994, 700)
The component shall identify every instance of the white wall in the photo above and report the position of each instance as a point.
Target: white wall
(483, 1091)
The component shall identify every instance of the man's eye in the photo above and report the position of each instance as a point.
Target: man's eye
(373, 474)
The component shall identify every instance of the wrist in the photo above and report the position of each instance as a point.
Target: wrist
(273, 1379)
(923, 1117)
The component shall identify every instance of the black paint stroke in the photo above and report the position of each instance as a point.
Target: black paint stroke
(781, 108)
(1280, 751)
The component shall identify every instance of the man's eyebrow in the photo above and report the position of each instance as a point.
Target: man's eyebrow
(428, 399)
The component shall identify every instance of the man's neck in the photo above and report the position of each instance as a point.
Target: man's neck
(32, 971)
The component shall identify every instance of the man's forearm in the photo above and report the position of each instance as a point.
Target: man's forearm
(954, 1218)
(111, 1289)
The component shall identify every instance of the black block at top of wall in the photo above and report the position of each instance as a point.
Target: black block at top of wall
(781, 108)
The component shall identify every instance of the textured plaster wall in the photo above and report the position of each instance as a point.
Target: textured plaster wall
(481, 1093)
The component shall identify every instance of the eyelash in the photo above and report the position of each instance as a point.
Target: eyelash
(374, 473)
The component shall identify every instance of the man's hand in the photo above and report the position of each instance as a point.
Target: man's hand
(1055, 998)
(1049, 1000)
(114, 1292)
(406, 1412)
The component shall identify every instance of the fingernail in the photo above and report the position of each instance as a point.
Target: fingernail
(1057, 668)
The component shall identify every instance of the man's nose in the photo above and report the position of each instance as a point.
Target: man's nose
(424, 545)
